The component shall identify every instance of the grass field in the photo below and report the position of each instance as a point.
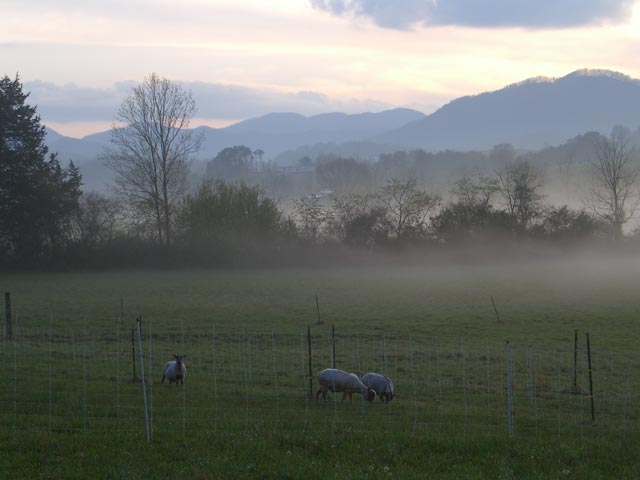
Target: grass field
(69, 407)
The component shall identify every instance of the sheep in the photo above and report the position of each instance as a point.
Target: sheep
(381, 384)
(175, 370)
(332, 379)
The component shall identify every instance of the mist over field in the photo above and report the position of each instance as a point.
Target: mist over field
(320, 239)
(540, 167)
(251, 336)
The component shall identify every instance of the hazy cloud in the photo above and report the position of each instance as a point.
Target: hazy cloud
(73, 103)
(406, 14)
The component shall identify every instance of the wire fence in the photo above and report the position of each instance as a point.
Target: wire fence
(88, 379)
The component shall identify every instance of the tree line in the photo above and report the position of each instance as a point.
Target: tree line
(153, 216)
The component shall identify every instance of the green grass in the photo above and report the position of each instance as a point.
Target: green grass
(70, 409)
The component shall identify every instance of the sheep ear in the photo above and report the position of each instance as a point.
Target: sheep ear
(184, 356)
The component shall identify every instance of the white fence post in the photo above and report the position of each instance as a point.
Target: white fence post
(144, 388)
(509, 411)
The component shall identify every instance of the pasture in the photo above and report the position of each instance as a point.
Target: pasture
(70, 407)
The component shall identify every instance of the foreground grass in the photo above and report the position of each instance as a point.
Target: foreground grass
(310, 455)
(69, 407)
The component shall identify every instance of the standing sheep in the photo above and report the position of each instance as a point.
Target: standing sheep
(381, 384)
(175, 370)
(332, 379)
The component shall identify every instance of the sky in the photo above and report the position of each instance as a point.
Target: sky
(245, 58)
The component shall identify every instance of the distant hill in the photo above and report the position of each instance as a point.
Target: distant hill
(80, 150)
(273, 133)
(277, 132)
(529, 114)
(84, 153)
(334, 123)
(360, 150)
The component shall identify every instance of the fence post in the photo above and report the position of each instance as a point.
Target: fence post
(15, 383)
(150, 382)
(144, 387)
(7, 309)
(118, 376)
(310, 366)
(333, 345)
(318, 310)
(275, 374)
(50, 360)
(593, 414)
(215, 378)
(133, 353)
(495, 309)
(84, 378)
(509, 411)
(530, 386)
(575, 360)
(304, 381)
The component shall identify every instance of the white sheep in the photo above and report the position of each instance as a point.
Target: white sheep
(382, 385)
(334, 380)
(175, 370)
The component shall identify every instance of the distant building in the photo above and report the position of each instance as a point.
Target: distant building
(294, 169)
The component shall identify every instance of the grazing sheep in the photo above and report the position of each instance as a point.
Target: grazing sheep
(332, 379)
(381, 384)
(175, 370)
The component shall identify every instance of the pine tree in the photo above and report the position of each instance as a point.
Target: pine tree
(37, 195)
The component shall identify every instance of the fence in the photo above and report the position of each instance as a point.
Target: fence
(81, 379)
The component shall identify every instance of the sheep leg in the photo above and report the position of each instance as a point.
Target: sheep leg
(324, 393)
(163, 377)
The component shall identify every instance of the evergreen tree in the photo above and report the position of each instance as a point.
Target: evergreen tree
(37, 195)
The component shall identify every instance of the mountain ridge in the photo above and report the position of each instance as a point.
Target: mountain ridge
(531, 114)
(528, 114)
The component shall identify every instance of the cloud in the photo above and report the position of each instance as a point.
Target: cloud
(73, 103)
(407, 14)
(70, 102)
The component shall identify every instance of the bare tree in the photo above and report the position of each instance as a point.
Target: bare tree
(311, 217)
(519, 186)
(151, 151)
(359, 220)
(476, 193)
(344, 175)
(406, 205)
(614, 194)
(473, 198)
(94, 222)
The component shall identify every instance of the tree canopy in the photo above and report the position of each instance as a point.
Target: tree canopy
(37, 195)
(151, 151)
(232, 163)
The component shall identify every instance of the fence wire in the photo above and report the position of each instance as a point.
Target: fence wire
(83, 379)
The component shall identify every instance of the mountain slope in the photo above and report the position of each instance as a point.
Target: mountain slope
(273, 133)
(277, 132)
(529, 114)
